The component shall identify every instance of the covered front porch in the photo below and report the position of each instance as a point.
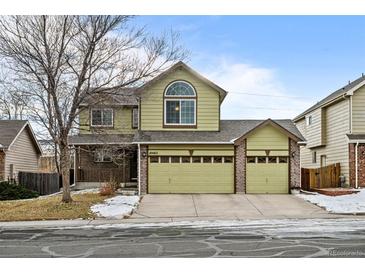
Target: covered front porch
(98, 164)
(104, 158)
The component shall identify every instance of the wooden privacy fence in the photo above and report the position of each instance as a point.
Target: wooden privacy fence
(323, 177)
(43, 183)
(103, 175)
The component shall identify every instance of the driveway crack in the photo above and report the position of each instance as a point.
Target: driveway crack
(196, 211)
(254, 206)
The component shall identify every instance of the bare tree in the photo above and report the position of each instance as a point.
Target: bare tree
(11, 99)
(59, 60)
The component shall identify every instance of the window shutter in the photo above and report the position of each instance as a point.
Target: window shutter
(135, 118)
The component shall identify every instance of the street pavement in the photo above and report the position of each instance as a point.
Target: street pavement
(244, 238)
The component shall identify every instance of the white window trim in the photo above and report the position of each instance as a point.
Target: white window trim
(309, 120)
(180, 124)
(102, 109)
(179, 81)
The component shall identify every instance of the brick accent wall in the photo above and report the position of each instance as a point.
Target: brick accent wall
(2, 165)
(143, 169)
(361, 165)
(294, 164)
(240, 166)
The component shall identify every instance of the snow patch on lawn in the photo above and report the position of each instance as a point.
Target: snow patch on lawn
(117, 207)
(351, 203)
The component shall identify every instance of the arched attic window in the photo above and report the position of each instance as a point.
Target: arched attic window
(180, 104)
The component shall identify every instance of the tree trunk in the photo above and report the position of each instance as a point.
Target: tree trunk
(65, 173)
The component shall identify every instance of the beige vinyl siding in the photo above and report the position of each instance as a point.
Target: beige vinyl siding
(122, 121)
(358, 111)
(315, 131)
(22, 154)
(207, 104)
(336, 148)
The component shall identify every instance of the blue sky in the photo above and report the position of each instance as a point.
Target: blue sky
(296, 60)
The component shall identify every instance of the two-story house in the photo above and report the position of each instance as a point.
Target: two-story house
(334, 130)
(177, 143)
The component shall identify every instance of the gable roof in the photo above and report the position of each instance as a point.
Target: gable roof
(11, 129)
(182, 65)
(345, 90)
(285, 126)
(230, 130)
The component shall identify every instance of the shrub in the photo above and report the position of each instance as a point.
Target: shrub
(109, 188)
(106, 190)
(11, 191)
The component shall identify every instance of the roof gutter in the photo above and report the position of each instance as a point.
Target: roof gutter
(177, 143)
(302, 116)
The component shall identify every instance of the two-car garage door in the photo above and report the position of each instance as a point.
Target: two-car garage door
(200, 173)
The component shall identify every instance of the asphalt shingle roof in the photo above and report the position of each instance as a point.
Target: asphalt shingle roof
(124, 96)
(332, 96)
(229, 131)
(100, 139)
(9, 129)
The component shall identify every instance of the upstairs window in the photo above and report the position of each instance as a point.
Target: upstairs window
(180, 104)
(309, 120)
(102, 117)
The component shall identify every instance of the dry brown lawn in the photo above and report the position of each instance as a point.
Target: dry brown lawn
(50, 208)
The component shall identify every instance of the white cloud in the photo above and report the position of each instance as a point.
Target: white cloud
(241, 78)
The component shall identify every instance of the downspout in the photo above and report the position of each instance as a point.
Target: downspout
(350, 114)
(356, 166)
(139, 169)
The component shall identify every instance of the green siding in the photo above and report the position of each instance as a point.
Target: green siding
(267, 137)
(207, 104)
(122, 121)
(191, 177)
(267, 177)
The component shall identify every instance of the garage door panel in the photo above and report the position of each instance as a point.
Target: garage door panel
(267, 178)
(190, 178)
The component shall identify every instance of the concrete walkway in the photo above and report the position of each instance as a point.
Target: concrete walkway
(223, 206)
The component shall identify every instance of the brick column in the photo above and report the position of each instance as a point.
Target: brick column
(240, 166)
(294, 163)
(360, 165)
(143, 169)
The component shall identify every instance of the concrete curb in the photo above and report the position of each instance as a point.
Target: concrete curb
(98, 222)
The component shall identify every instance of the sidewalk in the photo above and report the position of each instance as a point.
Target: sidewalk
(141, 221)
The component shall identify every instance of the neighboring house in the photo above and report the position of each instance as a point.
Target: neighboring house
(178, 144)
(19, 149)
(334, 130)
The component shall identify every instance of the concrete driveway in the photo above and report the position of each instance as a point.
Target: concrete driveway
(225, 206)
